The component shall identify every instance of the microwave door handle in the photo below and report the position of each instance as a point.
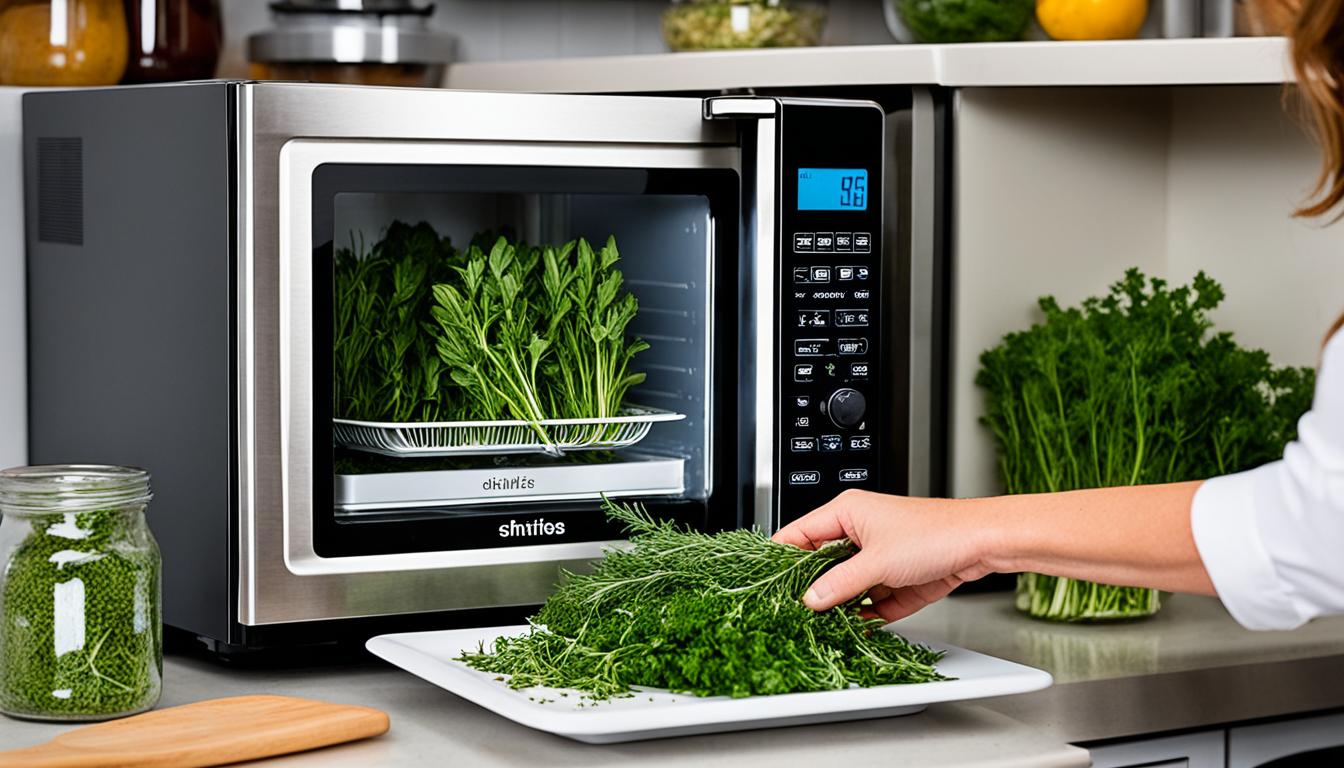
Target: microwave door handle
(761, 203)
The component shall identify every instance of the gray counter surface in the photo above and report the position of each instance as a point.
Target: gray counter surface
(1188, 667)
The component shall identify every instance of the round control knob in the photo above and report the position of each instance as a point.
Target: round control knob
(846, 407)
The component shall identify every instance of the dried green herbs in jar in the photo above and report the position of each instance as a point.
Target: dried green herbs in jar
(700, 25)
(80, 627)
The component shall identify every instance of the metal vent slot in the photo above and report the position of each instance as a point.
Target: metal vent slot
(60, 190)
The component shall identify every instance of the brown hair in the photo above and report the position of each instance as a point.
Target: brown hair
(1317, 35)
(1318, 59)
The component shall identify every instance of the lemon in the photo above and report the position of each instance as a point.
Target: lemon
(1091, 19)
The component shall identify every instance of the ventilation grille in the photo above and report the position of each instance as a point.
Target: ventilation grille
(60, 191)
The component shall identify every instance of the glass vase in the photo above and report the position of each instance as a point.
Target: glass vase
(1056, 598)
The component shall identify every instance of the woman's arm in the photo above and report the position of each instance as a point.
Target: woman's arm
(914, 551)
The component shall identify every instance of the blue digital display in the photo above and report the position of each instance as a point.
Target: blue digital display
(832, 189)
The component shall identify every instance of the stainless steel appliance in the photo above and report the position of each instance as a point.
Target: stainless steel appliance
(786, 254)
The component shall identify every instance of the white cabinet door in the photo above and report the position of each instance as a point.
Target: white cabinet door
(1192, 750)
(1255, 745)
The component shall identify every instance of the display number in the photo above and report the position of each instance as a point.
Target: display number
(853, 192)
(832, 189)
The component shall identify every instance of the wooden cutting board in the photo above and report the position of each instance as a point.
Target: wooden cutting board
(212, 732)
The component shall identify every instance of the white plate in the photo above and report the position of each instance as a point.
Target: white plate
(652, 714)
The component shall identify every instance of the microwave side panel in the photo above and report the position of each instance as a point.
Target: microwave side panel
(130, 263)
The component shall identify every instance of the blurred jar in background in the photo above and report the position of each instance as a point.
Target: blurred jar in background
(172, 40)
(62, 42)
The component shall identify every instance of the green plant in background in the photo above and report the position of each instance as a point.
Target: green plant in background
(966, 21)
(1128, 389)
(711, 615)
(79, 624)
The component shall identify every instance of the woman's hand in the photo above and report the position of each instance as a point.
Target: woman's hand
(912, 552)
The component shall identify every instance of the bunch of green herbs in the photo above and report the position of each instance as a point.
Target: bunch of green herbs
(706, 614)
(1127, 389)
(386, 364)
(503, 330)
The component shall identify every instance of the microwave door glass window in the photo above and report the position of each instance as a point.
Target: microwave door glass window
(832, 189)
(413, 445)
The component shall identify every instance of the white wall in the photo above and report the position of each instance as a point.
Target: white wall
(13, 376)
(1058, 191)
(1238, 165)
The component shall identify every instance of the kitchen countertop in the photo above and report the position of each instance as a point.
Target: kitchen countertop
(1227, 61)
(1188, 667)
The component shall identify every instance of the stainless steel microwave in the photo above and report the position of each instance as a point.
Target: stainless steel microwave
(181, 241)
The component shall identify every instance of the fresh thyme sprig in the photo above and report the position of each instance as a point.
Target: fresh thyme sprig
(704, 614)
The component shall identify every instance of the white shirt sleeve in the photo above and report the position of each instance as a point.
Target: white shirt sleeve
(1272, 538)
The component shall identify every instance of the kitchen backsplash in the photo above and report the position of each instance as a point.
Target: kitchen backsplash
(491, 30)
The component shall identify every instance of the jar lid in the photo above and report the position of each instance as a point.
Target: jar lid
(351, 36)
(64, 488)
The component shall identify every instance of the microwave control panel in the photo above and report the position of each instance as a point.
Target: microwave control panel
(831, 385)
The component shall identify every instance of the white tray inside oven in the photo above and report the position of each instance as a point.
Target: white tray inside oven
(553, 437)
(623, 478)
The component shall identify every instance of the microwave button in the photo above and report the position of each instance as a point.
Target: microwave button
(844, 241)
(863, 294)
(810, 347)
(832, 443)
(858, 370)
(825, 242)
(804, 372)
(803, 444)
(802, 401)
(802, 242)
(844, 273)
(814, 318)
(852, 346)
(861, 442)
(802, 274)
(861, 273)
(804, 477)
(851, 318)
(802, 422)
(821, 274)
(853, 475)
(862, 242)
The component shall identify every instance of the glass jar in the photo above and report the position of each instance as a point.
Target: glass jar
(81, 636)
(699, 25)
(958, 21)
(1060, 599)
(62, 42)
(173, 40)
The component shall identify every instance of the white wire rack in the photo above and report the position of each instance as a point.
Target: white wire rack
(466, 438)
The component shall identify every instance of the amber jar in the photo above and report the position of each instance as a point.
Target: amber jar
(62, 42)
(173, 40)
